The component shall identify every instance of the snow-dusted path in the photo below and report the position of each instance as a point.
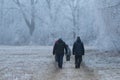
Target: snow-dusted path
(52, 72)
(37, 63)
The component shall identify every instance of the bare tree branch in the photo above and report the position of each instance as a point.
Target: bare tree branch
(48, 3)
(74, 6)
(31, 23)
(17, 2)
(57, 10)
(36, 2)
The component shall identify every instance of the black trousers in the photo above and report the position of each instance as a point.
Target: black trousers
(59, 59)
(78, 60)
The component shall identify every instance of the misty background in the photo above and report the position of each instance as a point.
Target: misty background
(42, 22)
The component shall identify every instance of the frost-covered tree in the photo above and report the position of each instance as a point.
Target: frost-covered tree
(108, 11)
(29, 22)
(53, 7)
(40, 22)
(74, 7)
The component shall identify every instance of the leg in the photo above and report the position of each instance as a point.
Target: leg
(76, 61)
(58, 60)
(79, 61)
(60, 63)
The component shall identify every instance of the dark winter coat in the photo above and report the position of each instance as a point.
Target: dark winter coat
(78, 48)
(59, 47)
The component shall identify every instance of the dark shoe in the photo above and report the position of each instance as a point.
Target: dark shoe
(76, 66)
(60, 67)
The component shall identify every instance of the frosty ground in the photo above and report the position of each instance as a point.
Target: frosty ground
(37, 63)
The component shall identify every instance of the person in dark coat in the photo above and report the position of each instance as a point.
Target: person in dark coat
(78, 51)
(58, 51)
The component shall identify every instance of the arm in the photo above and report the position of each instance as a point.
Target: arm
(73, 50)
(54, 49)
(83, 48)
(66, 51)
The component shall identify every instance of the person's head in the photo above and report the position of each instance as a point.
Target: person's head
(78, 39)
(60, 39)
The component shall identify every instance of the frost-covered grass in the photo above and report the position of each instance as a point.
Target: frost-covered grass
(37, 63)
(107, 64)
(20, 63)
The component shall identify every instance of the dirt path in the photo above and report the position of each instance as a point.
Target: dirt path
(52, 72)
